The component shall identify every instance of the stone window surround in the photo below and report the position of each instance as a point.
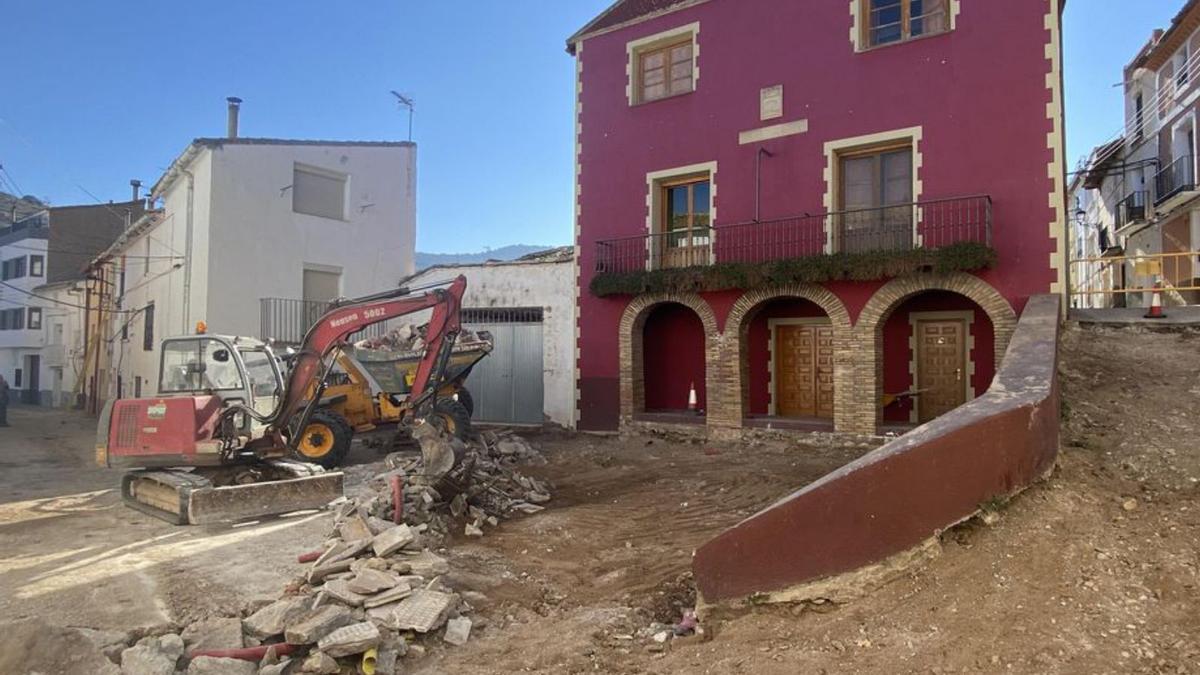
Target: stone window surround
(634, 48)
(858, 26)
(654, 181)
(836, 148)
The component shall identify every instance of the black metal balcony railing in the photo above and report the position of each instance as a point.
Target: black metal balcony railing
(927, 224)
(1174, 178)
(286, 320)
(679, 248)
(1132, 209)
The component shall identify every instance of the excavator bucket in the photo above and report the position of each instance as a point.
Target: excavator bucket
(441, 452)
(190, 498)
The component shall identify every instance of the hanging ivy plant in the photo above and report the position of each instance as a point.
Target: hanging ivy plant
(869, 266)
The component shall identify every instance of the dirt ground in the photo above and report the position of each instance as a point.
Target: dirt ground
(1095, 570)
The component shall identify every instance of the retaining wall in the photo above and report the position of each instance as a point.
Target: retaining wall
(890, 503)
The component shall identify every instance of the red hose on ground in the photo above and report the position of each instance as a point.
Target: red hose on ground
(397, 500)
(311, 556)
(246, 653)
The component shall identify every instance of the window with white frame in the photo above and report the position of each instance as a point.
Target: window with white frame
(37, 266)
(319, 192)
(34, 321)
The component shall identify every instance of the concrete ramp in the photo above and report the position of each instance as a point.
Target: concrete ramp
(878, 511)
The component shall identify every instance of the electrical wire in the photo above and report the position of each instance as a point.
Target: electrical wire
(60, 302)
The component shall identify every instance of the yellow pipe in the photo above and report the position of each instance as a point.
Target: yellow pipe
(368, 661)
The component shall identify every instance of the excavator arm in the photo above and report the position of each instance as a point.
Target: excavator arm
(342, 321)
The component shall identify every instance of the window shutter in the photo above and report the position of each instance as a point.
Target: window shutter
(318, 193)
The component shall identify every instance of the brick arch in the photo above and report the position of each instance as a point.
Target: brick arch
(734, 364)
(868, 332)
(633, 321)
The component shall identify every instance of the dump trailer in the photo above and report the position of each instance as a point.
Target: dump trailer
(221, 440)
(370, 389)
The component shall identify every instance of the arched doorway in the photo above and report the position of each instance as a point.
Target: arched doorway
(674, 362)
(788, 359)
(666, 343)
(918, 351)
(938, 353)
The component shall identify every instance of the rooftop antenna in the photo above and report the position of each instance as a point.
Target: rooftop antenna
(407, 102)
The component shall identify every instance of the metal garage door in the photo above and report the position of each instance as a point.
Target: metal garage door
(507, 385)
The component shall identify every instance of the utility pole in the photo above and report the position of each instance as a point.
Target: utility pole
(406, 102)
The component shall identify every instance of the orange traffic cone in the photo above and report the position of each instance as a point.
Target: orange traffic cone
(692, 399)
(1156, 310)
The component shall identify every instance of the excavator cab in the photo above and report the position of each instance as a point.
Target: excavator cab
(237, 370)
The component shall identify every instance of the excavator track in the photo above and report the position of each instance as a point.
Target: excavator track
(226, 494)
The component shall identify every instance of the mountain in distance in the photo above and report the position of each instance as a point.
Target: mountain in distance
(511, 252)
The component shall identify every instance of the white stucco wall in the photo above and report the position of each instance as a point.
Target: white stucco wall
(260, 247)
(549, 285)
(247, 244)
(16, 345)
(62, 355)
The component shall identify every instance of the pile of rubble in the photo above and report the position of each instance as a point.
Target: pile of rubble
(408, 338)
(375, 592)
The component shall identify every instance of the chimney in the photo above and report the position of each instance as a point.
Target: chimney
(234, 104)
(137, 189)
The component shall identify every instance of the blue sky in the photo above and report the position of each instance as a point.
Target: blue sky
(98, 93)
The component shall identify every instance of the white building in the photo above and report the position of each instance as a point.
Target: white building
(529, 307)
(253, 235)
(43, 298)
(23, 248)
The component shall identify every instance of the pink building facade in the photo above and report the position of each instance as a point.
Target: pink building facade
(818, 215)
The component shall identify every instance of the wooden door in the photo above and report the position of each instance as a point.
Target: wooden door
(941, 367)
(803, 371)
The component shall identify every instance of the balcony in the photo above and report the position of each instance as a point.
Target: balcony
(1132, 210)
(286, 320)
(1175, 183)
(919, 225)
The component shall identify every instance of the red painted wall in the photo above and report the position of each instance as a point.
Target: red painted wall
(673, 357)
(897, 352)
(978, 92)
(757, 342)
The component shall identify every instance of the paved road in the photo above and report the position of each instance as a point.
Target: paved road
(75, 556)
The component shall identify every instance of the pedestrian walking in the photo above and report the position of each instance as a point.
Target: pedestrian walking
(3, 402)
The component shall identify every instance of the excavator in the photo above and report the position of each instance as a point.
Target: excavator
(222, 439)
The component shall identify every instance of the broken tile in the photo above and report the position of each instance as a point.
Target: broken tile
(398, 592)
(458, 631)
(370, 581)
(318, 623)
(353, 639)
(274, 618)
(424, 611)
(389, 541)
(340, 591)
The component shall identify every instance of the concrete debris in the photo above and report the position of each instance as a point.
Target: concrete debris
(353, 639)
(217, 633)
(275, 617)
(458, 631)
(34, 646)
(371, 581)
(424, 611)
(385, 661)
(482, 489)
(376, 584)
(395, 594)
(408, 339)
(152, 656)
(320, 663)
(210, 665)
(284, 667)
(317, 624)
(391, 540)
(339, 589)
